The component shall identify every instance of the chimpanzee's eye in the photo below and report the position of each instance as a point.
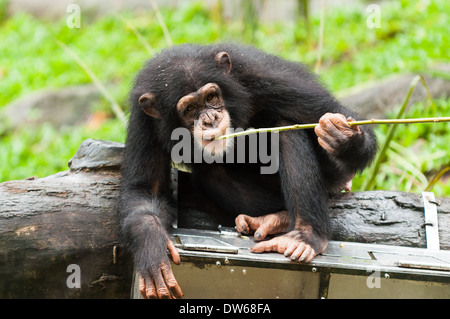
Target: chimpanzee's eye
(210, 98)
(190, 108)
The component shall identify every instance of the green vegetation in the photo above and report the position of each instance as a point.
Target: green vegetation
(413, 36)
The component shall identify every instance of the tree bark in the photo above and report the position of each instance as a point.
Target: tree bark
(69, 218)
(386, 217)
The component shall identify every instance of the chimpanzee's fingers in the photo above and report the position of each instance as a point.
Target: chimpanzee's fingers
(334, 126)
(171, 282)
(306, 254)
(243, 222)
(173, 252)
(142, 287)
(270, 224)
(325, 145)
(147, 288)
(338, 120)
(311, 256)
(162, 291)
(348, 186)
(264, 246)
(354, 127)
(325, 117)
(342, 125)
(298, 251)
(278, 244)
(290, 249)
(331, 119)
(329, 136)
(262, 231)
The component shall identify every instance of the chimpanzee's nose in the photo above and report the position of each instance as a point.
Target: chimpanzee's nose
(210, 120)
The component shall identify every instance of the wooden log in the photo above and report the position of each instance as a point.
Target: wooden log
(386, 217)
(69, 218)
(50, 223)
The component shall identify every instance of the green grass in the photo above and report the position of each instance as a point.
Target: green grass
(416, 153)
(47, 150)
(412, 37)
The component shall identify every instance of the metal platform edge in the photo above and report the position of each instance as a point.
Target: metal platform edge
(327, 263)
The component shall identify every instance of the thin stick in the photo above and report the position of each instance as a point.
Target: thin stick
(353, 123)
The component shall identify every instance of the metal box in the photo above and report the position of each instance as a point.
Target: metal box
(219, 264)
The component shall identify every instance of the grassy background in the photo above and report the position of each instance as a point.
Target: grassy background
(413, 36)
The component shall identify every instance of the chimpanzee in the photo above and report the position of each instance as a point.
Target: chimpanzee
(208, 89)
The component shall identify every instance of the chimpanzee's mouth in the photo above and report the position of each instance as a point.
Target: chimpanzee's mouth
(211, 134)
(211, 144)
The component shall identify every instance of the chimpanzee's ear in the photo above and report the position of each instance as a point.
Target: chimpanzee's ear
(223, 62)
(147, 101)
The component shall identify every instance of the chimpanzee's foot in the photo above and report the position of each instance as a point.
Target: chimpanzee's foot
(300, 244)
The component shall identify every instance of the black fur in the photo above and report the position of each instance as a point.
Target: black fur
(261, 91)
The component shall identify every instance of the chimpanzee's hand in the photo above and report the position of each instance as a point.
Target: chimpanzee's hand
(158, 281)
(262, 226)
(301, 244)
(335, 135)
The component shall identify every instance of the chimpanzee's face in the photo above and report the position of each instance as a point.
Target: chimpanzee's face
(203, 113)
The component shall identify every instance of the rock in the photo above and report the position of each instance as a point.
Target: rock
(376, 99)
(97, 154)
(67, 106)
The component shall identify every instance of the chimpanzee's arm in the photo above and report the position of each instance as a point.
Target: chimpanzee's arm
(302, 182)
(349, 148)
(344, 150)
(145, 214)
(288, 91)
(305, 199)
(309, 168)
